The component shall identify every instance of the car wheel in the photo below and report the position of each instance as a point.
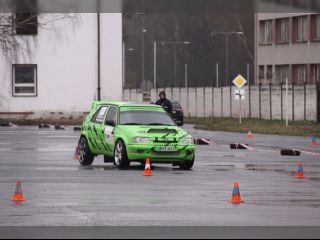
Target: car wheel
(187, 165)
(86, 157)
(120, 155)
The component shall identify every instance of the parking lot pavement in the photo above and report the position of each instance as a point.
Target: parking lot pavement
(60, 192)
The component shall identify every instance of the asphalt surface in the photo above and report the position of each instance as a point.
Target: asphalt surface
(59, 192)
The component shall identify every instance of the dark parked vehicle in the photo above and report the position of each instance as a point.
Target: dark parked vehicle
(177, 113)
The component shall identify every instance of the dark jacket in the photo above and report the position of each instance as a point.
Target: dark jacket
(166, 104)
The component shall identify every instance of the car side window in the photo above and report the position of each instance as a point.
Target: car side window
(112, 116)
(99, 116)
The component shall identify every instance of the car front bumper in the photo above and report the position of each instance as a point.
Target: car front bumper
(140, 152)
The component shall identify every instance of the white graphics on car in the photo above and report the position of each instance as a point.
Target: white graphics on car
(109, 133)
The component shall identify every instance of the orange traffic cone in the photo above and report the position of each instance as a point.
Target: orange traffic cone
(236, 197)
(76, 155)
(250, 135)
(18, 195)
(300, 174)
(147, 171)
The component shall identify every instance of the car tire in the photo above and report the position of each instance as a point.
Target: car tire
(187, 165)
(86, 157)
(121, 159)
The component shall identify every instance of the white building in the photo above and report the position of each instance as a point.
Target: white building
(58, 76)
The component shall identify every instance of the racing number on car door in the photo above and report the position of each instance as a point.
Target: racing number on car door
(111, 122)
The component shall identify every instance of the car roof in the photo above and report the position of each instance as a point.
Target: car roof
(124, 104)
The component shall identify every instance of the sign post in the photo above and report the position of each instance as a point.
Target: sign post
(287, 102)
(240, 93)
(240, 111)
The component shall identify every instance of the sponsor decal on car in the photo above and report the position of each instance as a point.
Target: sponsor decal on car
(109, 133)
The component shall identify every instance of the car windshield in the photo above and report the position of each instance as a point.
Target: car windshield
(145, 118)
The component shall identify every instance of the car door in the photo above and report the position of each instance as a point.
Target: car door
(97, 130)
(109, 131)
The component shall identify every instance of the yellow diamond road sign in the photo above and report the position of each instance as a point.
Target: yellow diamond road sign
(240, 81)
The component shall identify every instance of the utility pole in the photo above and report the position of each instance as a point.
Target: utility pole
(227, 59)
(99, 52)
(123, 64)
(176, 44)
(227, 34)
(124, 56)
(217, 75)
(287, 102)
(142, 47)
(175, 56)
(186, 75)
(155, 65)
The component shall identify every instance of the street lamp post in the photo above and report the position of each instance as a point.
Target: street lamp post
(176, 44)
(124, 56)
(155, 65)
(143, 31)
(124, 51)
(227, 34)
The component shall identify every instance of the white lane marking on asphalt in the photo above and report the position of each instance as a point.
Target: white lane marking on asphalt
(35, 132)
(62, 136)
(38, 150)
(57, 169)
(267, 151)
(55, 149)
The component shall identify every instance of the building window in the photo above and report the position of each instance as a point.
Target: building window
(269, 72)
(315, 71)
(261, 72)
(283, 30)
(301, 29)
(25, 24)
(300, 74)
(282, 74)
(266, 32)
(24, 80)
(316, 27)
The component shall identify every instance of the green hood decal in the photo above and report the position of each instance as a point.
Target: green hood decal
(154, 131)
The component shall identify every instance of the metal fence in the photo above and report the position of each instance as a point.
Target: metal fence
(272, 102)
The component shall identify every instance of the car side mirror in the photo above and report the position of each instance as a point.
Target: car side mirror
(111, 123)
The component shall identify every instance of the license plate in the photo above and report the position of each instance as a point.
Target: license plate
(167, 149)
(174, 112)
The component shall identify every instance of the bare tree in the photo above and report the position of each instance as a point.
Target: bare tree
(201, 55)
(16, 29)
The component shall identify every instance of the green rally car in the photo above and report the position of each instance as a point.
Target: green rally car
(126, 132)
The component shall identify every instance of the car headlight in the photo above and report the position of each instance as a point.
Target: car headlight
(141, 140)
(186, 141)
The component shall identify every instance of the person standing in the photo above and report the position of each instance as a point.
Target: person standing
(164, 102)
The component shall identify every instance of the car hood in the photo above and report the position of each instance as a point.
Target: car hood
(159, 132)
